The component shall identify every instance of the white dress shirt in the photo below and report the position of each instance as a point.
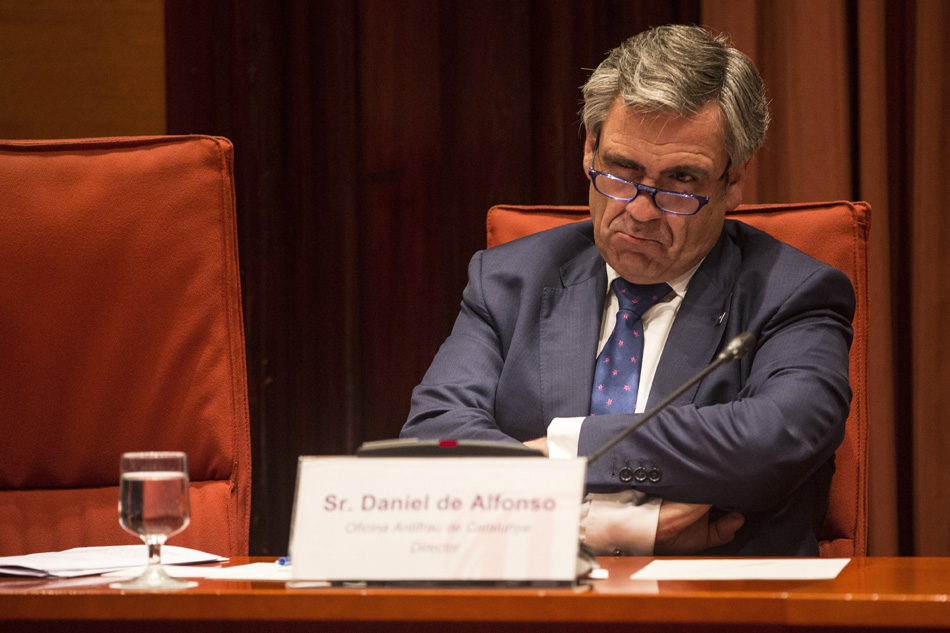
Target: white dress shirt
(624, 522)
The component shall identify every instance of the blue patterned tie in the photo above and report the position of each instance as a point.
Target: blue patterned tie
(617, 373)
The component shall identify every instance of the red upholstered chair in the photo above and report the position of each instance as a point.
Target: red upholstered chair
(834, 232)
(120, 330)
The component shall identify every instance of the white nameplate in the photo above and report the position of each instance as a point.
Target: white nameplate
(436, 519)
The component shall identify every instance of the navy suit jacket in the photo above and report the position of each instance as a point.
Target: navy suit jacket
(756, 436)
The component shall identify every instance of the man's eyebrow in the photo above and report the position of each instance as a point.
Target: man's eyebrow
(691, 170)
(620, 161)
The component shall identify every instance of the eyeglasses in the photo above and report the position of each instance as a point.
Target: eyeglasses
(626, 191)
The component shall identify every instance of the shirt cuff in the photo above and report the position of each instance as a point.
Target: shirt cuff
(620, 524)
(564, 434)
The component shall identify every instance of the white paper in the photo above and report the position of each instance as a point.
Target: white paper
(87, 561)
(251, 571)
(743, 569)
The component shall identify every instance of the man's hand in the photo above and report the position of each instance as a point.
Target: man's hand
(541, 444)
(684, 528)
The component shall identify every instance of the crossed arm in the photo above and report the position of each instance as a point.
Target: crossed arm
(753, 436)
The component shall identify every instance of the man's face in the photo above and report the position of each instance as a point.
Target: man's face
(684, 154)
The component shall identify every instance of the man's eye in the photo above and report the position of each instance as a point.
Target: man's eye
(626, 174)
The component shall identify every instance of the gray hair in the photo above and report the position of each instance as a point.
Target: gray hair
(679, 68)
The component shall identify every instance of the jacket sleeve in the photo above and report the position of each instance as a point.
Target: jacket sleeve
(784, 418)
(456, 398)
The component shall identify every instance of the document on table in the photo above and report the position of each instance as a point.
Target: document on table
(89, 561)
(251, 571)
(743, 569)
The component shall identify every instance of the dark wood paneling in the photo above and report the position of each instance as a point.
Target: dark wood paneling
(370, 138)
(900, 51)
(81, 69)
(400, 159)
(279, 80)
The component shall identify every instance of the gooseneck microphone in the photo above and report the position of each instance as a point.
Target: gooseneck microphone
(736, 348)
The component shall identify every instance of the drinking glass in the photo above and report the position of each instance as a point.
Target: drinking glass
(153, 505)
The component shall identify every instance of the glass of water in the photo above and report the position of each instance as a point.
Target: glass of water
(153, 505)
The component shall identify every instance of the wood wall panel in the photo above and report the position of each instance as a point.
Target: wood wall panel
(930, 235)
(74, 69)
(400, 223)
(872, 167)
(278, 79)
(485, 132)
(809, 146)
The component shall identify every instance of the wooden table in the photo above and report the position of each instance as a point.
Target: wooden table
(870, 594)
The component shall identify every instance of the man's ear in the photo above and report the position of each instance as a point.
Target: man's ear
(735, 184)
(589, 144)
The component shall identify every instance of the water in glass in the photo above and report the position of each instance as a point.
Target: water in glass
(154, 505)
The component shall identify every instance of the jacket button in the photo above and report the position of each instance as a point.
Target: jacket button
(626, 474)
(655, 475)
(640, 474)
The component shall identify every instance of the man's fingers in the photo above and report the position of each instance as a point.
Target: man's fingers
(724, 529)
(676, 516)
(540, 444)
(686, 529)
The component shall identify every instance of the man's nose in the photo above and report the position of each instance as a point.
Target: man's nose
(642, 208)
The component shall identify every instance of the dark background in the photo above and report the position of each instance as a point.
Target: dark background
(370, 139)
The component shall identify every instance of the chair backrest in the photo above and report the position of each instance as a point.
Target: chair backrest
(833, 232)
(120, 330)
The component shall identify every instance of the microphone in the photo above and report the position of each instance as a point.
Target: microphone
(736, 348)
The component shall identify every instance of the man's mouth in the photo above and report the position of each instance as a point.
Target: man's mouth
(639, 238)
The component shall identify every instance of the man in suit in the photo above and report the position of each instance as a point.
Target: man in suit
(739, 464)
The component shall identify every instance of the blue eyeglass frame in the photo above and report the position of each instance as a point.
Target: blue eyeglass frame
(594, 173)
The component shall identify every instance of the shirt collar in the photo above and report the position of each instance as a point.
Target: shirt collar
(678, 284)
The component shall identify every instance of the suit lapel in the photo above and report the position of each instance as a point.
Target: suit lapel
(569, 331)
(699, 326)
